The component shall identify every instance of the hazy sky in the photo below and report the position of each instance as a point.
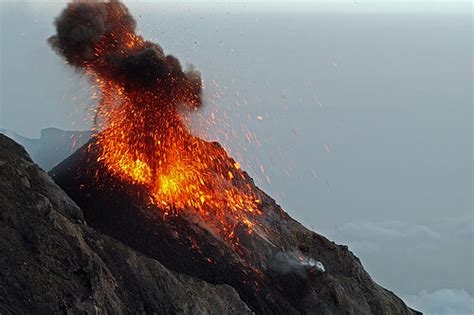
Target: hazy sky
(366, 134)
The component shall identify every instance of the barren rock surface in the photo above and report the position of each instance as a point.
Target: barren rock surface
(51, 262)
(265, 283)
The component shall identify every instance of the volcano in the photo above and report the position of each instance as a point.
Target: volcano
(279, 268)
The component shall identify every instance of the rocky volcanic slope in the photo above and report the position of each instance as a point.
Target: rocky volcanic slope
(264, 272)
(52, 262)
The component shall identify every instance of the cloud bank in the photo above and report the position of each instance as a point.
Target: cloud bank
(442, 302)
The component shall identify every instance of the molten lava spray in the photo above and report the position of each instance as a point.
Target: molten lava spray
(141, 134)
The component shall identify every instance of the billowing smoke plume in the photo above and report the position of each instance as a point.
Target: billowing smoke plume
(101, 37)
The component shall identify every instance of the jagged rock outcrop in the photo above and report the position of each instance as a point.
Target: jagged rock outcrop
(265, 273)
(51, 262)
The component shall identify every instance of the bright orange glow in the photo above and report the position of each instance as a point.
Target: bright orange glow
(143, 141)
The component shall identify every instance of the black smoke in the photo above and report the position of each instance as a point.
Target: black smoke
(101, 37)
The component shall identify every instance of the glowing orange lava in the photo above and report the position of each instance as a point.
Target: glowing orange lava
(143, 141)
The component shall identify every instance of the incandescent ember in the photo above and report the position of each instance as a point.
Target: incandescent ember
(145, 96)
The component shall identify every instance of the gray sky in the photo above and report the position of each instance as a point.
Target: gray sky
(365, 129)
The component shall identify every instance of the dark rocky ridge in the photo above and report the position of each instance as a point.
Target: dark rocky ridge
(116, 209)
(51, 262)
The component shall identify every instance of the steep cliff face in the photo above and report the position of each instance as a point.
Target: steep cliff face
(274, 271)
(52, 262)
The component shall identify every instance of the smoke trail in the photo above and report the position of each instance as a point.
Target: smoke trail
(292, 272)
(290, 263)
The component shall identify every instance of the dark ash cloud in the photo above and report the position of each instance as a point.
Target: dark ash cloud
(101, 36)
